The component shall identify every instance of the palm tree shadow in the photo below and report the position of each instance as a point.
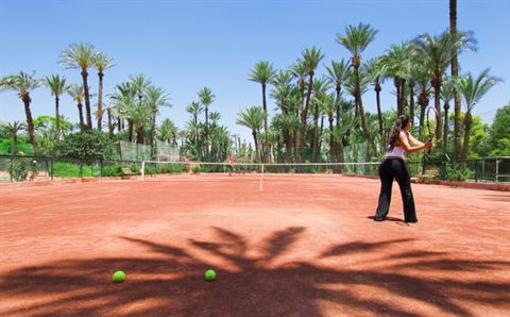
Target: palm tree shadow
(169, 281)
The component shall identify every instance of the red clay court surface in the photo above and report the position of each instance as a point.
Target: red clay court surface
(301, 247)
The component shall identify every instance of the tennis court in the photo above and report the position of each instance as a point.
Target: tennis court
(284, 245)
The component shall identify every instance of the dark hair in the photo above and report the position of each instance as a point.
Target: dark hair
(401, 122)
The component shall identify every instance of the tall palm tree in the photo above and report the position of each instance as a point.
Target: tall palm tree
(156, 98)
(263, 73)
(311, 59)
(455, 77)
(101, 63)
(374, 69)
(140, 116)
(57, 86)
(356, 40)
(338, 73)
(206, 98)
(13, 129)
(77, 93)
(473, 89)
(252, 118)
(81, 56)
(24, 83)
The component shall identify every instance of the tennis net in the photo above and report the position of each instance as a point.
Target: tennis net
(153, 168)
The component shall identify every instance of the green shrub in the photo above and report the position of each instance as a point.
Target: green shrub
(112, 170)
(452, 173)
(19, 168)
(196, 170)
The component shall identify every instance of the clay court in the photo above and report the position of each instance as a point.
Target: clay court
(303, 246)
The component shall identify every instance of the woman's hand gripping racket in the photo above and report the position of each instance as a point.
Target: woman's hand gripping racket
(432, 122)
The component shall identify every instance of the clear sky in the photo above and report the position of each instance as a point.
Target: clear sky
(186, 45)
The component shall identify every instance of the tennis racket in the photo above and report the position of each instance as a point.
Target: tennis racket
(432, 122)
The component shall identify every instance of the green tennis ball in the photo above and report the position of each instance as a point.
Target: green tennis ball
(119, 277)
(210, 275)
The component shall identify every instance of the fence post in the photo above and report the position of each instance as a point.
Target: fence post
(101, 164)
(497, 170)
(10, 171)
(51, 168)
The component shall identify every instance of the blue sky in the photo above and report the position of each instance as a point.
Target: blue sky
(186, 45)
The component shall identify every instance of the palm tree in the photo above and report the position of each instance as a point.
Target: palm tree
(81, 56)
(168, 132)
(195, 109)
(311, 59)
(356, 40)
(320, 98)
(101, 63)
(206, 98)
(447, 91)
(13, 129)
(77, 93)
(57, 86)
(338, 73)
(156, 98)
(138, 85)
(375, 72)
(110, 116)
(455, 77)
(473, 89)
(437, 51)
(263, 73)
(140, 116)
(24, 83)
(253, 118)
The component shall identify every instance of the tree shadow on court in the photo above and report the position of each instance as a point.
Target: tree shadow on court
(167, 280)
(499, 198)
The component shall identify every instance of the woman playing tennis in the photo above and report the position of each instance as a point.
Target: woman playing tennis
(394, 167)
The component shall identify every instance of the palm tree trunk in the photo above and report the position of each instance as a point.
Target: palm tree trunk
(455, 75)
(30, 122)
(57, 118)
(110, 124)
(321, 131)
(402, 96)
(378, 102)
(337, 104)
(14, 142)
(254, 133)
(88, 110)
(445, 126)
(331, 140)
(304, 116)
(130, 131)
(206, 141)
(100, 101)
(423, 101)
(359, 102)
(468, 120)
(80, 112)
(153, 136)
(437, 105)
(397, 86)
(264, 106)
(411, 103)
(315, 139)
(364, 126)
(119, 124)
(139, 135)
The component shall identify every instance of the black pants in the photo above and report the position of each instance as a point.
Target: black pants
(395, 168)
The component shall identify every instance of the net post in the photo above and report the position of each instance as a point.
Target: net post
(143, 170)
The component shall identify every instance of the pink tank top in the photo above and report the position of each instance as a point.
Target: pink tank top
(397, 151)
